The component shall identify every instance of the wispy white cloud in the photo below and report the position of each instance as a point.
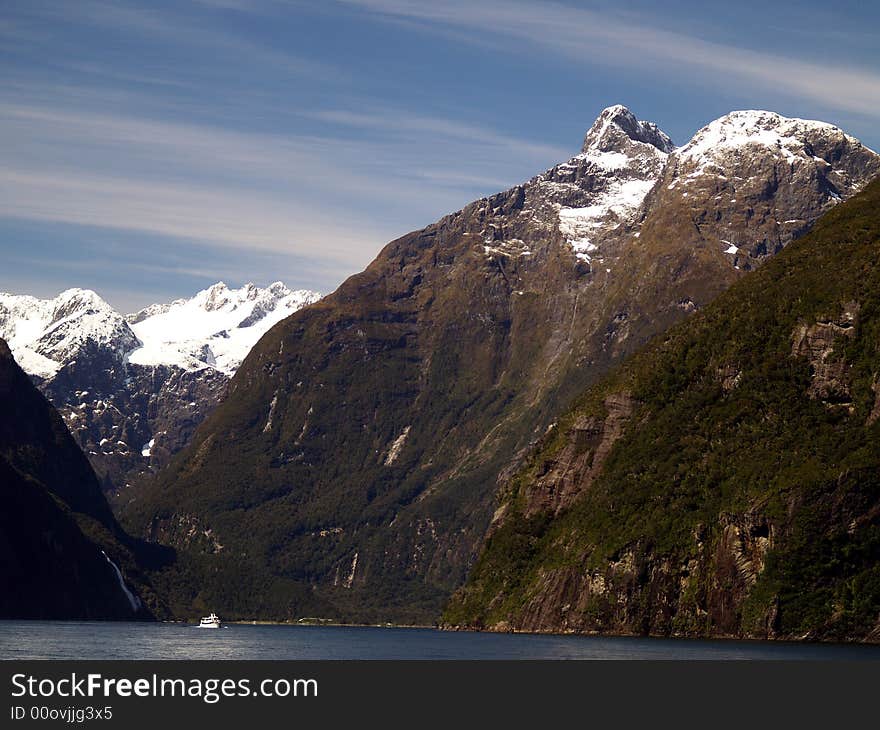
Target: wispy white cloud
(397, 122)
(175, 30)
(296, 194)
(444, 149)
(600, 37)
(223, 217)
(132, 271)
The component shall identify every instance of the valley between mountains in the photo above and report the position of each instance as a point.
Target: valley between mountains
(639, 373)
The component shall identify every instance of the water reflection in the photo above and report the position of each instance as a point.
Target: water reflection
(94, 640)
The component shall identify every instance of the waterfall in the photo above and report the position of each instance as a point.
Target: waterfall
(132, 598)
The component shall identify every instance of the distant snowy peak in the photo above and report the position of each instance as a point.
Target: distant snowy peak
(46, 334)
(132, 389)
(151, 311)
(216, 328)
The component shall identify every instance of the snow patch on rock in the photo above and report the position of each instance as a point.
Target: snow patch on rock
(618, 203)
(620, 162)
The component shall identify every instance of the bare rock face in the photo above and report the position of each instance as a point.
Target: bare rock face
(565, 478)
(134, 418)
(816, 342)
(618, 129)
(738, 560)
(185, 530)
(639, 592)
(470, 337)
(729, 377)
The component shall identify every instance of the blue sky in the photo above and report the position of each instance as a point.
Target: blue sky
(150, 149)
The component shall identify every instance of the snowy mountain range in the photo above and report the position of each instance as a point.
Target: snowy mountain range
(132, 387)
(216, 328)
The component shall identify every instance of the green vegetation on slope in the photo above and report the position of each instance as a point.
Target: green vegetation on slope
(734, 428)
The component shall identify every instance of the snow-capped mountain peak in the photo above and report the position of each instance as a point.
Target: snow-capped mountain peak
(215, 328)
(604, 185)
(602, 192)
(46, 334)
(790, 139)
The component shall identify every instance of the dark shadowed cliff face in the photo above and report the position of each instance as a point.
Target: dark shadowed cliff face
(353, 467)
(724, 481)
(57, 535)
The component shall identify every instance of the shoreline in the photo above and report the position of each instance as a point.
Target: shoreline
(332, 624)
(446, 629)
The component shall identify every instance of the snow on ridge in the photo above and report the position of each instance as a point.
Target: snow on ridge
(603, 159)
(785, 135)
(617, 203)
(625, 168)
(616, 124)
(215, 328)
(34, 363)
(624, 159)
(731, 247)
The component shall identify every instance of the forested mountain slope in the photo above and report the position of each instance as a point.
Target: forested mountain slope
(723, 482)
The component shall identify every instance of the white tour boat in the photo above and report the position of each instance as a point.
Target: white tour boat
(210, 622)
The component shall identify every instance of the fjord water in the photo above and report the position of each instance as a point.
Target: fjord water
(105, 640)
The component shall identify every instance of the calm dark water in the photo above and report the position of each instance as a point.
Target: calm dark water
(93, 640)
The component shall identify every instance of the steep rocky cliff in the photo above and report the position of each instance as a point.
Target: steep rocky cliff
(62, 555)
(722, 482)
(352, 468)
